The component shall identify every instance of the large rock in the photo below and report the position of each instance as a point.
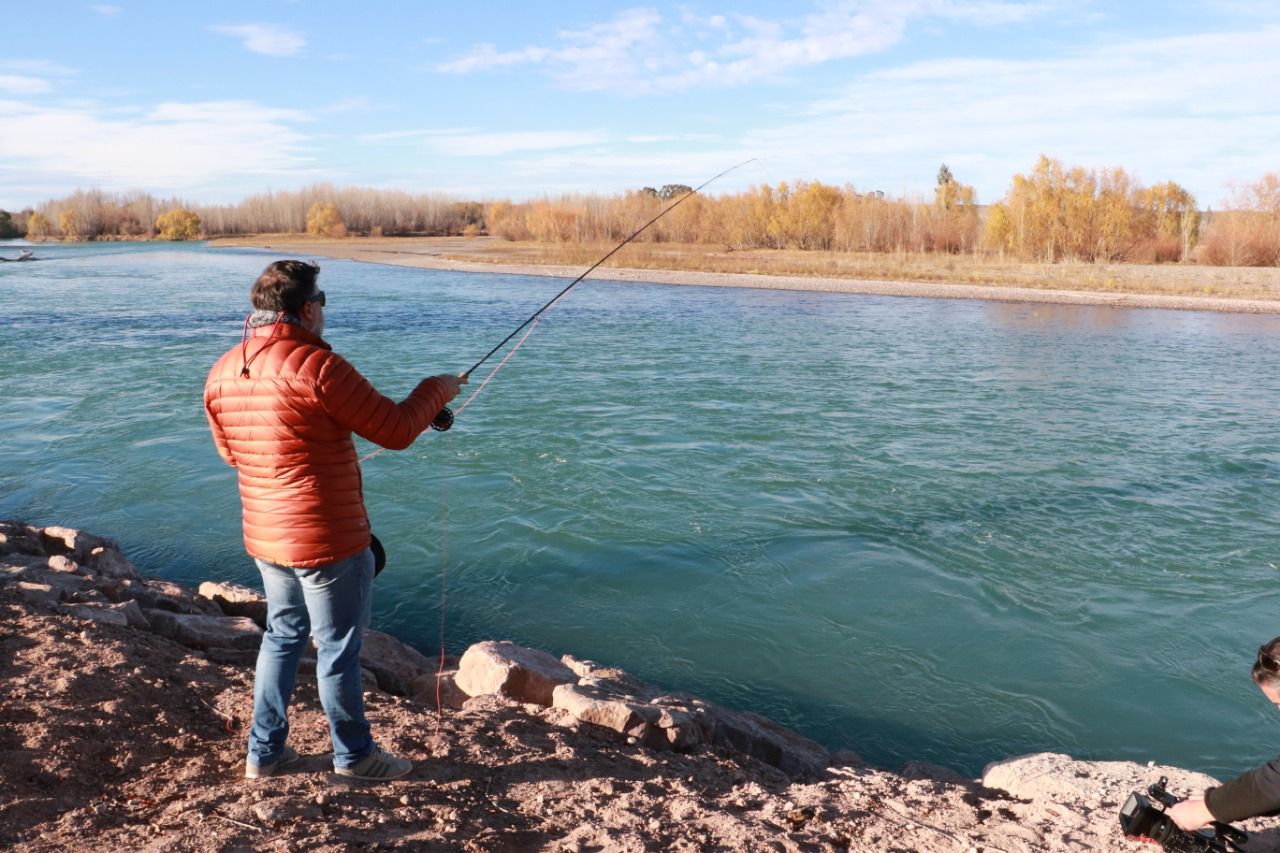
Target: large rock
(109, 562)
(767, 741)
(205, 632)
(236, 600)
(429, 690)
(526, 675)
(396, 665)
(100, 615)
(19, 538)
(164, 595)
(1063, 779)
(615, 700)
(38, 593)
(74, 543)
(597, 705)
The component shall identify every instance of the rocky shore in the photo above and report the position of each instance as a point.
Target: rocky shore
(124, 702)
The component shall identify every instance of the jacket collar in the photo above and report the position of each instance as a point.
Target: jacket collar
(291, 332)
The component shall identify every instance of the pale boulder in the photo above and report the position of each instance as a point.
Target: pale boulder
(594, 704)
(205, 632)
(397, 666)
(526, 675)
(236, 600)
(450, 695)
(99, 615)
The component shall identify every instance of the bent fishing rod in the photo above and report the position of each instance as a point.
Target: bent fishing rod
(445, 419)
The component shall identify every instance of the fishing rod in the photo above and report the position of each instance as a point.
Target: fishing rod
(444, 420)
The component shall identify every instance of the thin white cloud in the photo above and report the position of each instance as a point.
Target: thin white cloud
(465, 142)
(266, 39)
(1186, 108)
(172, 146)
(106, 10)
(16, 84)
(639, 51)
(1183, 108)
(485, 56)
(40, 67)
(357, 103)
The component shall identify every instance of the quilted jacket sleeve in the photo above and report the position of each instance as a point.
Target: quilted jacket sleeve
(219, 437)
(355, 404)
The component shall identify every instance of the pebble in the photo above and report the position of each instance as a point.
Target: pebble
(321, 799)
(404, 801)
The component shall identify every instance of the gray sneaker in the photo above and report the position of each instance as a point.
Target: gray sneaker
(257, 771)
(377, 766)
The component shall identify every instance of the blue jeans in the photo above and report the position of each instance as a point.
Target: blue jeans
(331, 603)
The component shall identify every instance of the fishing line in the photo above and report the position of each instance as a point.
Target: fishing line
(611, 253)
(445, 419)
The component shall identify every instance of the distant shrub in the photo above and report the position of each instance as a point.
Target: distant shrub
(323, 220)
(8, 228)
(178, 224)
(1155, 250)
(39, 227)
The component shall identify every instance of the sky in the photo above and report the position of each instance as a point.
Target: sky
(213, 102)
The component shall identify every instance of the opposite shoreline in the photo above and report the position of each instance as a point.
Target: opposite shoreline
(449, 255)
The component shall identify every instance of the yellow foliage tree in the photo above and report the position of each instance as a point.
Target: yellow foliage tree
(997, 234)
(69, 222)
(323, 220)
(804, 216)
(551, 224)
(954, 217)
(39, 227)
(178, 224)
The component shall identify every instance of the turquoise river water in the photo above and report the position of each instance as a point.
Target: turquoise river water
(924, 529)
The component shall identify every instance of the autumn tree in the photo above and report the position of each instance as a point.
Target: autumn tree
(1169, 221)
(39, 227)
(953, 222)
(323, 220)
(70, 225)
(1247, 231)
(178, 224)
(1057, 212)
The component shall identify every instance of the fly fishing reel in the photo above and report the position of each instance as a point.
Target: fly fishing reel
(443, 421)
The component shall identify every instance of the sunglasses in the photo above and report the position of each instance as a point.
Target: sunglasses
(1266, 661)
(318, 297)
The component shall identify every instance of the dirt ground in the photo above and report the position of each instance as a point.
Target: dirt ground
(114, 738)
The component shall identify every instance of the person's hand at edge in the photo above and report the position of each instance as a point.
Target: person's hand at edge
(1190, 814)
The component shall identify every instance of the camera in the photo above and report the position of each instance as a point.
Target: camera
(1143, 816)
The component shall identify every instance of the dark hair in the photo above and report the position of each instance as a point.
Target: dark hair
(285, 286)
(1266, 668)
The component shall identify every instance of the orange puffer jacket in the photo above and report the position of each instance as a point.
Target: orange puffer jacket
(286, 429)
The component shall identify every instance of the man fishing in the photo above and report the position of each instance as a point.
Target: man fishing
(282, 406)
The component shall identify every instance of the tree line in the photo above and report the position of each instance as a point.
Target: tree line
(1052, 213)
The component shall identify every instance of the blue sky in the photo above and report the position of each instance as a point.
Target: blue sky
(213, 102)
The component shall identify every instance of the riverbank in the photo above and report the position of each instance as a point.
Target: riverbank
(125, 700)
(1171, 286)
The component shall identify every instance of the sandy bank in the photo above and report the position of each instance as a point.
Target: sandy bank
(116, 737)
(454, 253)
